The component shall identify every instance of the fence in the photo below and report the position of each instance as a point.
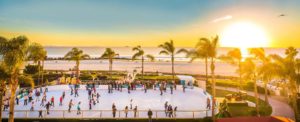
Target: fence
(106, 114)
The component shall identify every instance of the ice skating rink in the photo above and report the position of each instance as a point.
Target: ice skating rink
(190, 104)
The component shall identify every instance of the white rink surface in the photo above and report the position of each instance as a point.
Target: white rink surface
(191, 100)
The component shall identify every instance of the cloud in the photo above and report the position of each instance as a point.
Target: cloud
(227, 17)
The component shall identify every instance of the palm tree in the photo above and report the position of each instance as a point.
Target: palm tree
(210, 45)
(76, 55)
(38, 55)
(14, 55)
(234, 57)
(248, 71)
(266, 69)
(168, 48)
(288, 68)
(110, 55)
(140, 53)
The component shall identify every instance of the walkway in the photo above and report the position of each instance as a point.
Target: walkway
(279, 108)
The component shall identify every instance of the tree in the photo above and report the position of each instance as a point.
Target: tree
(249, 71)
(141, 54)
(76, 55)
(168, 48)
(234, 57)
(37, 54)
(265, 70)
(288, 68)
(110, 55)
(210, 45)
(14, 55)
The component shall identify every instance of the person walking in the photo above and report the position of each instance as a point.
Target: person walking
(135, 111)
(150, 115)
(126, 111)
(63, 95)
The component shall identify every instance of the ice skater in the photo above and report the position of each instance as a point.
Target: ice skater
(126, 111)
(70, 105)
(78, 108)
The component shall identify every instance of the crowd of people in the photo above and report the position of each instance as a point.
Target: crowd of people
(32, 97)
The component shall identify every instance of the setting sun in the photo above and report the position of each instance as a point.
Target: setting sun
(244, 35)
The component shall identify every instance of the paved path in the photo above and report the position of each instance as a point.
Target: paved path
(279, 108)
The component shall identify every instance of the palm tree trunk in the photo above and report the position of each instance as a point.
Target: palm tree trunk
(42, 80)
(110, 68)
(240, 73)
(1, 98)
(13, 86)
(206, 69)
(173, 72)
(39, 72)
(212, 66)
(256, 96)
(142, 67)
(77, 72)
(266, 93)
(294, 98)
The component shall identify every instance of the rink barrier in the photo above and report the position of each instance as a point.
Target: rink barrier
(107, 114)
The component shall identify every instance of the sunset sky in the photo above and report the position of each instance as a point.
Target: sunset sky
(271, 23)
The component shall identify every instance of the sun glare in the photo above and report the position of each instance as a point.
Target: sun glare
(243, 35)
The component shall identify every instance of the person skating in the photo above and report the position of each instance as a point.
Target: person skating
(183, 88)
(166, 108)
(175, 110)
(90, 104)
(126, 111)
(32, 106)
(60, 100)
(17, 100)
(114, 110)
(78, 108)
(135, 111)
(40, 113)
(76, 92)
(52, 101)
(208, 103)
(170, 110)
(70, 105)
(131, 103)
(150, 115)
(63, 95)
(145, 88)
(98, 95)
(30, 96)
(171, 88)
(72, 91)
(25, 100)
(48, 107)
(128, 89)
